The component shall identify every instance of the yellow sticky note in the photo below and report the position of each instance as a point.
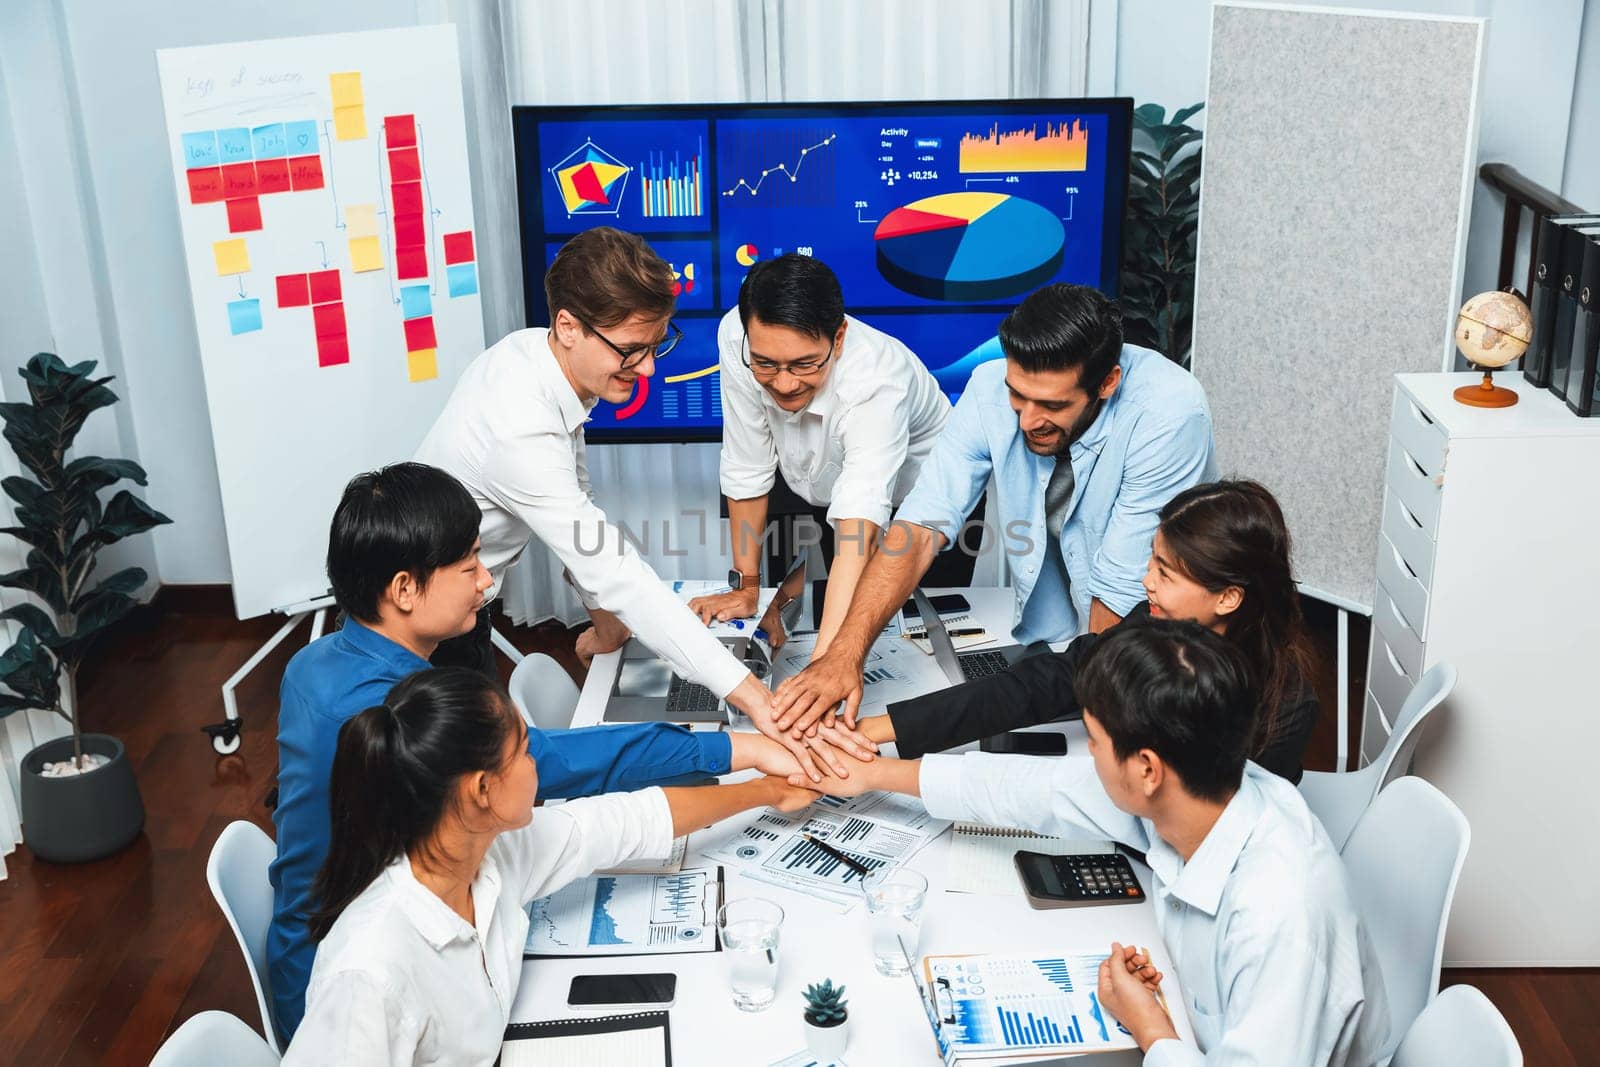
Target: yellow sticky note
(232, 256)
(349, 123)
(346, 89)
(423, 365)
(361, 220)
(365, 254)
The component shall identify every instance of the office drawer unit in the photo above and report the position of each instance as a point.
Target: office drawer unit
(1489, 557)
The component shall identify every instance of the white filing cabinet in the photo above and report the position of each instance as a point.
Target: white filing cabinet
(1489, 557)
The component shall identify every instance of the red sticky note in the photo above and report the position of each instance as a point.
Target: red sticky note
(411, 261)
(239, 179)
(205, 185)
(458, 247)
(420, 335)
(404, 166)
(332, 351)
(272, 176)
(244, 215)
(325, 286)
(328, 320)
(407, 197)
(292, 291)
(305, 172)
(400, 131)
(408, 229)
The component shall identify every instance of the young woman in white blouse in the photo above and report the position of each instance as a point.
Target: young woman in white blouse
(435, 852)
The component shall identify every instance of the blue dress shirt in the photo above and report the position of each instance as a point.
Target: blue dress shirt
(1151, 440)
(337, 677)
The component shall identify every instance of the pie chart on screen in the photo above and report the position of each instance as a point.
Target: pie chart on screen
(969, 246)
(746, 255)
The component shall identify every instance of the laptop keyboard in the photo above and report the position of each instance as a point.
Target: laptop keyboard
(687, 699)
(976, 665)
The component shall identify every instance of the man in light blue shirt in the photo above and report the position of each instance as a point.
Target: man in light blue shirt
(1086, 438)
(1250, 897)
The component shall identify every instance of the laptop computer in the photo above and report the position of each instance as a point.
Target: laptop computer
(961, 667)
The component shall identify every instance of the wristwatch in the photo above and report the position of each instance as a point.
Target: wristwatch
(736, 580)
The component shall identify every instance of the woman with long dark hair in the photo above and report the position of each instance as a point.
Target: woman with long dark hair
(435, 853)
(1220, 558)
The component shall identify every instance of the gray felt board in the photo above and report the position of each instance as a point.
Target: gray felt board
(1339, 155)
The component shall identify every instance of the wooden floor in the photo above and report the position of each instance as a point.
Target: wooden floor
(99, 963)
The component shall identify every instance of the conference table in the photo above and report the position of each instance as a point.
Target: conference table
(887, 1022)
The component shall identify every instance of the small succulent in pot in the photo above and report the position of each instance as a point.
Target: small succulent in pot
(826, 1014)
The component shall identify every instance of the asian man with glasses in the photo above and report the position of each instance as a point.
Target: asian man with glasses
(512, 433)
(847, 412)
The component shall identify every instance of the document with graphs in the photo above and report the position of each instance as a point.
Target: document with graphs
(628, 915)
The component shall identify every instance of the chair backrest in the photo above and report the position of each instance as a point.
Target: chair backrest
(544, 692)
(1461, 1028)
(1404, 733)
(215, 1037)
(237, 874)
(1403, 859)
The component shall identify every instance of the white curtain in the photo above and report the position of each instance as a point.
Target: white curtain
(715, 51)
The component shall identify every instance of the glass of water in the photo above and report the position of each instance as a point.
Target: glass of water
(895, 896)
(749, 929)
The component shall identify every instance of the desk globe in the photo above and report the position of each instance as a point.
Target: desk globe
(1492, 329)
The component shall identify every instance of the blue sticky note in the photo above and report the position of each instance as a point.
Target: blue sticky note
(463, 279)
(415, 301)
(301, 138)
(234, 145)
(244, 316)
(200, 149)
(269, 141)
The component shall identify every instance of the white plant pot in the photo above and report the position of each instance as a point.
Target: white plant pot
(827, 1042)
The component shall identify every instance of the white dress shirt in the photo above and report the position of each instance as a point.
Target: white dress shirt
(402, 979)
(857, 447)
(512, 433)
(1276, 963)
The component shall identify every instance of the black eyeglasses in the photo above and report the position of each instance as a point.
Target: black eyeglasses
(800, 368)
(632, 357)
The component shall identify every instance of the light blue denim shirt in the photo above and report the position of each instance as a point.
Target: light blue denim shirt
(1151, 441)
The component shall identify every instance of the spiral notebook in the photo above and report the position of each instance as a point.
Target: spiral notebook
(982, 857)
(642, 1039)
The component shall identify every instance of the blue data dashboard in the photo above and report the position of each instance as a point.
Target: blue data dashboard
(938, 218)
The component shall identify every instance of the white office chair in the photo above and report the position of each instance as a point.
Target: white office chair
(544, 692)
(1403, 859)
(237, 875)
(1339, 799)
(1462, 1028)
(215, 1037)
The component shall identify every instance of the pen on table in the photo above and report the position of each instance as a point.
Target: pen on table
(970, 631)
(836, 854)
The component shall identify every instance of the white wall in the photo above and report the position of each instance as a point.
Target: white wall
(1581, 182)
(1526, 97)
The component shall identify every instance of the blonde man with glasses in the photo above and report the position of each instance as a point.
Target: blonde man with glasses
(512, 433)
(847, 412)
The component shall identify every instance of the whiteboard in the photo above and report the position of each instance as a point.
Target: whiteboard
(1339, 158)
(323, 191)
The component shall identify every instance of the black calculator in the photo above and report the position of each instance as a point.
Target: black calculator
(1078, 881)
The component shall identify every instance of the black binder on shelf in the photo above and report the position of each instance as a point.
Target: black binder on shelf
(1546, 289)
(1573, 239)
(1583, 397)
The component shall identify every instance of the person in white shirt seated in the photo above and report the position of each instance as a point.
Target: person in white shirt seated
(512, 433)
(845, 411)
(437, 849)
(1250, 896)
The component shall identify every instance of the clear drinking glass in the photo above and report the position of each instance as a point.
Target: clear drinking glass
(895, 896)
(749, 929)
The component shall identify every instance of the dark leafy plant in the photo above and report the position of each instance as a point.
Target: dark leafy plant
(823, 1004)
(1158, 255)
(64, 523)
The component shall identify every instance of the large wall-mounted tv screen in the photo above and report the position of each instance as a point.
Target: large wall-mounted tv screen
(937, 217)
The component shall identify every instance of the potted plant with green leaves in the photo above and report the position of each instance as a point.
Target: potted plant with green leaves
(1159, 236)
(79, 797)
(826, 1016)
